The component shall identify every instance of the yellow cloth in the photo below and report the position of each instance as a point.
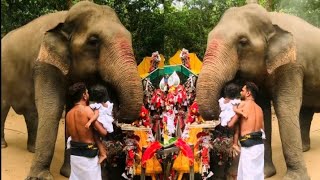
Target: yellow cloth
(144, 66)
(195, 63)
(152, 165)
(181, 163)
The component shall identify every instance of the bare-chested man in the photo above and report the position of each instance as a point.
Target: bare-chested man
(84, 151)
(251, 123)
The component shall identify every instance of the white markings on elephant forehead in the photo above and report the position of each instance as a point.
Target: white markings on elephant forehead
(48, 56)
(284, 57)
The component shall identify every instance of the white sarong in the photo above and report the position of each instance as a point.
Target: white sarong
(251, 163)
(83, 168)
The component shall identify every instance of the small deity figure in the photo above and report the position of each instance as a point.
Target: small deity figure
(155, 60)
(193, 114)
(204, 145)
(184, 55)
(132, 150)
(157, 100)
(144, 118)
(171, 98)
(190, 88)
(168, 122)
(148, 91)
(181, 96)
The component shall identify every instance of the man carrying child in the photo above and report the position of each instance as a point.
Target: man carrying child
(250, 115)
(84, 150)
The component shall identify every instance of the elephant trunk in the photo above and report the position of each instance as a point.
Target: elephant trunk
(219, 66)
(121, 72)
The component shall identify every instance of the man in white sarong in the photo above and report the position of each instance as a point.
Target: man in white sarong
(251, 162)
(84, 151)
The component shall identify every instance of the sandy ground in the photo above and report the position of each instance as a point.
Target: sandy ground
(16, 160)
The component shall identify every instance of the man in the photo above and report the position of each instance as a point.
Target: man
(84, 151)
(251, 124)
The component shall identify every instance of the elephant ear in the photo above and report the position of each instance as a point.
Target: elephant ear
(54, 49)
(281, 49)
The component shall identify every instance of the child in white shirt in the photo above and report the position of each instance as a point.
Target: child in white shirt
(98, 96)
(226, 103)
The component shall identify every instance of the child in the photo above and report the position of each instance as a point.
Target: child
(231, 93)
(102, 112)
(99, 95)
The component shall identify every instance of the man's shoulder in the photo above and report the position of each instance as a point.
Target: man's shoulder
(242, 104)
(88, 109)
(259, 108)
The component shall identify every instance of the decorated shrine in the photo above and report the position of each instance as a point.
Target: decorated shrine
(170, 138)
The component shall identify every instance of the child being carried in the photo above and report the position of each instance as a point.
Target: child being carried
(226, 103)
(99, 101)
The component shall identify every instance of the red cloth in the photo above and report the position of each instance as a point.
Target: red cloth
(144, 116)
(193, 112)
(186, 150)
(205, 156)
(149, 152)
(130, 158)
(157, 99)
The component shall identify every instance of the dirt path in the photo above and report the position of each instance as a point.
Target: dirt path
(16, 160)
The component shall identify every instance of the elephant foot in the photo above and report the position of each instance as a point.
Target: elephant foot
(296, 174)
(43, 175)
(3, 143)
(305, 147)
(31, 148)
(269, 170)
(65, 170)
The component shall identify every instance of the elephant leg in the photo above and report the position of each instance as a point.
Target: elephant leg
(306, 116)
(50, 100)
(65, 169)
(4, 112)
(269, 169)
(31, 118)
(287, 98)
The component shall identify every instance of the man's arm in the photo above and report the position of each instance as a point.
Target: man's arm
(99, 128)
(240, 110)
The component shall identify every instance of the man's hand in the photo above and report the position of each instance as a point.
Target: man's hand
(234, 151)
(240, 111)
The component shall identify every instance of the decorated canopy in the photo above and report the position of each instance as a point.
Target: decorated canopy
(175, 65)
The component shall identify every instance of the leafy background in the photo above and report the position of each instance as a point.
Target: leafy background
(158, 25)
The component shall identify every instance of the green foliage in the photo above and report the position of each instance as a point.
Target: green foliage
(144, 19)
(16, 13)
(189, 26)
(158, 25)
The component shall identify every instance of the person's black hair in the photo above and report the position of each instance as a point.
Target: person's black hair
(232, 91)
(98, 93)
(253, 88)
(76, 91)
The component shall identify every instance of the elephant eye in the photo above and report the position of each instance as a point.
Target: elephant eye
(93, 41)
(243, 42)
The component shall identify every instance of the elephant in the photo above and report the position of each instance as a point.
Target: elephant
(280, 53)
(41, 59)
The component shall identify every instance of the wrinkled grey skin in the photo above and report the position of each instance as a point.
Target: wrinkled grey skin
(41, 59)
(281, 54)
